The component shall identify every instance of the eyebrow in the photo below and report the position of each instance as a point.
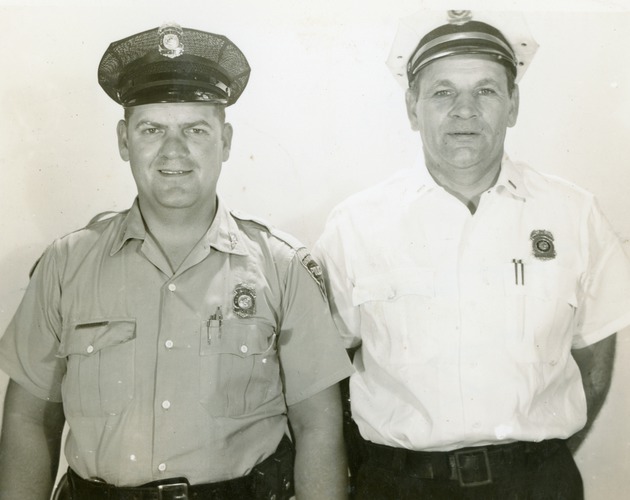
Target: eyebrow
(448, 83)
(151, 123)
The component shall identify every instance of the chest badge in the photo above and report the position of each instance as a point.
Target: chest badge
(244, 301)
(542, 244)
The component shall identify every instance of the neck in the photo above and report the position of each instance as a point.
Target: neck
(177, 230)
(467, 185)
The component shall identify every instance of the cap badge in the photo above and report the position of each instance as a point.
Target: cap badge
(244, 300)
(542, 244)
(459, 16)
(170, 36)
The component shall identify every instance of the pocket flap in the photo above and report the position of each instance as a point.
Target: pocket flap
(236, 338)
(394, 284)
(544, 280)
(89, 337)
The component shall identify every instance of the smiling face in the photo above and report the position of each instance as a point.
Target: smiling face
(176, 151)
(462, 108)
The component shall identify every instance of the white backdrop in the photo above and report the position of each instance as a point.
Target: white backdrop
(321, 118)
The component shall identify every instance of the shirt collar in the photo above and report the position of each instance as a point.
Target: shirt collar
(511, 179)
(223, 234)
(132, 227)
(418, 180)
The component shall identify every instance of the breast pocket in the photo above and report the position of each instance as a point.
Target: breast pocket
(397, 313)
(540, 311)
(239, 369)
(100, 367)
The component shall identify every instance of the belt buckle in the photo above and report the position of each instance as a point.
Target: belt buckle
(480, 456)
(173, 491)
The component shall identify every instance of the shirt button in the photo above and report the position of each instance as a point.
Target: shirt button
(166, 404)
(90, 349)
(244, 349)
(168, 344)
(162, 467)
(172, 287)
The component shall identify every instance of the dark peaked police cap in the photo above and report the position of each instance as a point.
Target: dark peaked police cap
(173, 64)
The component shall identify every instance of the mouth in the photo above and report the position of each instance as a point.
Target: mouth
(170, 173)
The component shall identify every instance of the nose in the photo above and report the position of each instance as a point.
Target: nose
(174, 146)
(465, 106)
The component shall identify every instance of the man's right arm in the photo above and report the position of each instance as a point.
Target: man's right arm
(29, 445)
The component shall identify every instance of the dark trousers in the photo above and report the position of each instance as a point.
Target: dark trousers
(547, 472)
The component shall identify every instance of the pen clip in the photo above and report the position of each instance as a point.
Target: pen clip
(214, 323)
(519, 272)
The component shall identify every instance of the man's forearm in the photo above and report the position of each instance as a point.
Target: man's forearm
(596, 364)
(29, 446)
(320, 464)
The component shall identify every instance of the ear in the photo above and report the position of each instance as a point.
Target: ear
(411, 100)
(226, 138)
(514, 104)
(123, 146)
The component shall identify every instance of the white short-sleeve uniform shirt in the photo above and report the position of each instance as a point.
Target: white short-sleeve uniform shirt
(466, 322)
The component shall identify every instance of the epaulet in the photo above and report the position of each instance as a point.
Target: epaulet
(97, 218)
(301, 251)
(246, 217)
(101, 217)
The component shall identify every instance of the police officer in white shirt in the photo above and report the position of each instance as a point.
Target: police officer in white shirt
(482, 297)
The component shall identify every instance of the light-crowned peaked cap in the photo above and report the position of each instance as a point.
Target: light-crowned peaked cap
(173, 64)
(429, 35)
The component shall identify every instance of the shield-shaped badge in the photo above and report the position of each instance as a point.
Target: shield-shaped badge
(542, 244)
(244, 301)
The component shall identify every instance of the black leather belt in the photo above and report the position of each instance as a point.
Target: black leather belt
(246, 487)
(474, 466)
(171, 489)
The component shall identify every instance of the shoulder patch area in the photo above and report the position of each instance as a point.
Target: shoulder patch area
(313, 269)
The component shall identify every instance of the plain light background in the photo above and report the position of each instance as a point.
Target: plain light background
(321, 118)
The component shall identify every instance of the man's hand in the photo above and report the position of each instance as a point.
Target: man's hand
(29, 445)
(320, 464)
(596, 364)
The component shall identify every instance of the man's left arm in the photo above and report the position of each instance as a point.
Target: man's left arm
(596, 364)
(320, 461)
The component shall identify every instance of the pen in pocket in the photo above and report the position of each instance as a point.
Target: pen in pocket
(213, 325)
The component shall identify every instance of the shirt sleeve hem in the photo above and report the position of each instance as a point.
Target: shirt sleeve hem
(321, 384)
(584, 340)
(23, 381)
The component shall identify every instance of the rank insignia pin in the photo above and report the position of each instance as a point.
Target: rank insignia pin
(244, 301)
(542, 244)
